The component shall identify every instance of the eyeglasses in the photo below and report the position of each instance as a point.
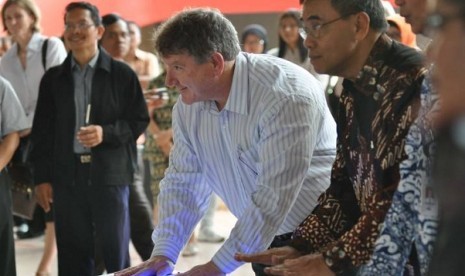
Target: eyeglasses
(314, 30)
(80, 26)
(436, 22)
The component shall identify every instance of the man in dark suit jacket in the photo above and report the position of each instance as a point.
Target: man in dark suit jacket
(89, 114)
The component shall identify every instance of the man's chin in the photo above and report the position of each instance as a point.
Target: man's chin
(317, 65)
(320, 70)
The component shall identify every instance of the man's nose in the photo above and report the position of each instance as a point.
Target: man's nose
(309, 42)
(169, 80)
(122, 38)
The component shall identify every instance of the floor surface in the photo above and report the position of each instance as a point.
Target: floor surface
(28, 252)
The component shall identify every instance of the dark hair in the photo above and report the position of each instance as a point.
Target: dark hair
(303, 51)
(374, 9)
(110, 19)
(198, 32)
(94, 13)
(30, 8)
(257, 30)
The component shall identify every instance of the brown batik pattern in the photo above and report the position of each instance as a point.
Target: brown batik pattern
(345, 224)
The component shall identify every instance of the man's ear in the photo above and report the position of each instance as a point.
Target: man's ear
(362, 25)
(100, 31)
(218, 63)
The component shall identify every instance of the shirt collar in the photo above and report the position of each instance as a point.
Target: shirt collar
(35, 44)
(238, 95)
(367, 79)
(92, 62)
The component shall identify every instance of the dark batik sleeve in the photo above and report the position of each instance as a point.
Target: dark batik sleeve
(355, 246)
(337, 211)
(337, 228)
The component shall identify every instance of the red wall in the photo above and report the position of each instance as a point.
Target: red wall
(146, 12)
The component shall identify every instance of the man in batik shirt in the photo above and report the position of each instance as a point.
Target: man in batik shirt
(406, 240)
(380, 100)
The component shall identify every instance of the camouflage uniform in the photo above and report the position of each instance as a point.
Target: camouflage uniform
(152, 152)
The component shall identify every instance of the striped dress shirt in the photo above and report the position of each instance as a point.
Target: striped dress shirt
(268, 154)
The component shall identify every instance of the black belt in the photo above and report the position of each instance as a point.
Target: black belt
(281, 240)
(283, 237)
(84, 158)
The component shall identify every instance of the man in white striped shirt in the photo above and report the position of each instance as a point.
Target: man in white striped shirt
(254, 129)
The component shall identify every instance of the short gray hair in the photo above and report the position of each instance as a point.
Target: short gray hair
(198, 32)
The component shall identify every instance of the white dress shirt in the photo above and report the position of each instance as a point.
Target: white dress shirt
(267, 154)
(26, 81)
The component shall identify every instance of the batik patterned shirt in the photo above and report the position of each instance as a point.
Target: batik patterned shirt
(376, 111)
(412, 218)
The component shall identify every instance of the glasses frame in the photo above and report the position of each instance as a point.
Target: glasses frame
(79, 26)
(316, 29)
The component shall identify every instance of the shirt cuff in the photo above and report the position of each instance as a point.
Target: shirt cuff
(224, 258)
(168, 249)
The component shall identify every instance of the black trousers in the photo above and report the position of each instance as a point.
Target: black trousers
(84, 213)
(7, 245)
(278, 241)
(140, 213)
